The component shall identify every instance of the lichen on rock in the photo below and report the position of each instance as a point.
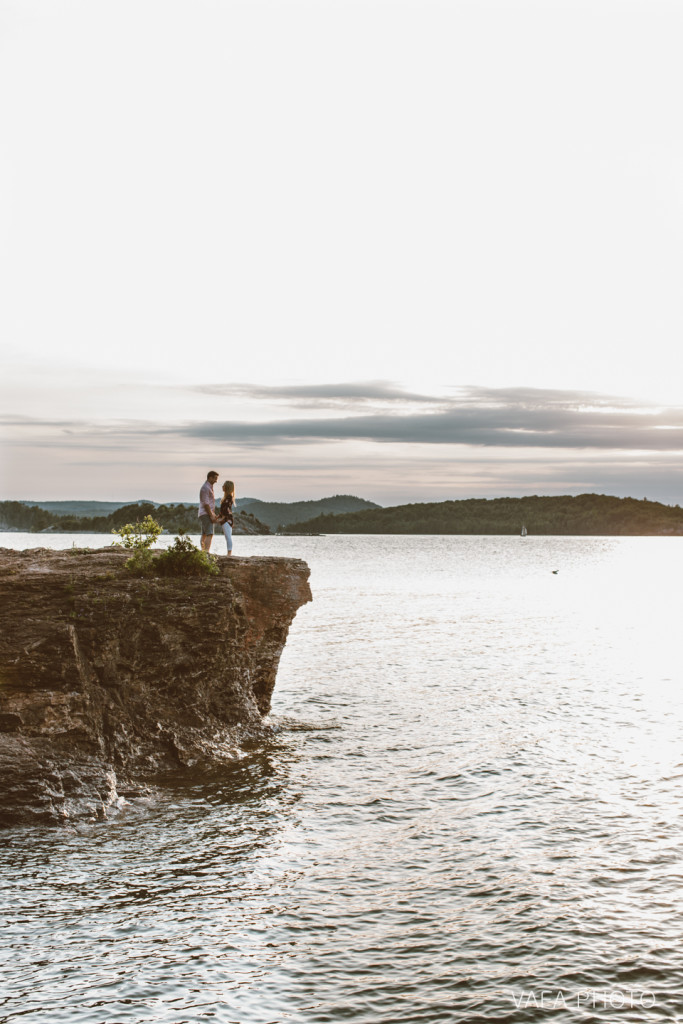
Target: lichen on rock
(107, 681)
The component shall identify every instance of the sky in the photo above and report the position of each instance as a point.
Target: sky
(412, 251)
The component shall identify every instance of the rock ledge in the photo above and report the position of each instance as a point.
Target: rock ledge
(108, 682)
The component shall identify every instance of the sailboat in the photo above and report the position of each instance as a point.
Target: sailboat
(523, 531)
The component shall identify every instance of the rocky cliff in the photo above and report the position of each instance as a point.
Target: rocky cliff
(108, 681)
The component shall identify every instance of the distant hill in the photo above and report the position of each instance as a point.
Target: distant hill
(82, 508)
(277, 513)
(252, 515)
(582, 515)
(17, 516)
(272, 513)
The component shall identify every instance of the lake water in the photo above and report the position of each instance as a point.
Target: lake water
(472, 812)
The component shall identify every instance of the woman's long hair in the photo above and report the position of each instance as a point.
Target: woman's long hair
(229, 488)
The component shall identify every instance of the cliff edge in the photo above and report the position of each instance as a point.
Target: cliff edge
(108, 681)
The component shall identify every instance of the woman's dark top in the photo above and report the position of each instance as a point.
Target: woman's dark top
(226, 510)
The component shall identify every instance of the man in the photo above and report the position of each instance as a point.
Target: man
(207, 510)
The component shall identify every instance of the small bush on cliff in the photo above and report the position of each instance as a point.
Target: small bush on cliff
(181, 559)
(138, 537)
(184, 559)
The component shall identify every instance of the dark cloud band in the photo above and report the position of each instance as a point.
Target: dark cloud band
(319, 395)
(508, 418)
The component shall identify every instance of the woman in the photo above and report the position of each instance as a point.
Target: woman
(226, 512)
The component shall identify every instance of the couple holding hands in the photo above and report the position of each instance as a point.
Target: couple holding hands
(207, 511)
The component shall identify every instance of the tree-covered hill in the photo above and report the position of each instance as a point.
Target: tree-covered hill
(85, 509)
(281, 513)
(582, 515)
(18, 516)
(270, 513)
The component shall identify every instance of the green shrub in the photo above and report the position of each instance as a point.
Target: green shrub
(184, 559)
(141, 563)
(138, 537)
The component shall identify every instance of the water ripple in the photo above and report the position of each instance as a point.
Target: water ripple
(470, 811)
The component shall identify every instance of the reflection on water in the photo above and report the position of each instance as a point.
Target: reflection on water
(473, 798)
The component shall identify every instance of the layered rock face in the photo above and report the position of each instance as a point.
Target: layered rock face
(108, 681)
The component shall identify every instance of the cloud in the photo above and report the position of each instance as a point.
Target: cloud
(475, 441)
(507, 418)
(320, 395)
